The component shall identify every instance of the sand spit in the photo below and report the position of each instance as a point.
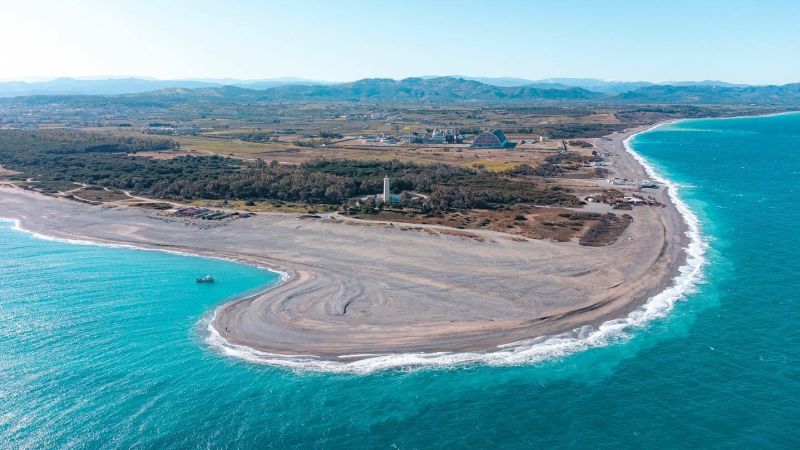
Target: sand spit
(353, 292)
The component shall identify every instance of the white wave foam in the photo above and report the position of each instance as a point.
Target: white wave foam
(17, 226)
(521, 352)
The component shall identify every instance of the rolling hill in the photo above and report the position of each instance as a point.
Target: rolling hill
(788, 94)
(441, 89)
(409, 90)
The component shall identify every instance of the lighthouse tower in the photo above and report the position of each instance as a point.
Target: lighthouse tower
(387, 189)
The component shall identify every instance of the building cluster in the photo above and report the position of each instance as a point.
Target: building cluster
(488, 139)
(437, 136)
(375, 115)
(171, 130)
(206, 214)
(492, 139)
(641, 184)
(625, 200)
(381, 138)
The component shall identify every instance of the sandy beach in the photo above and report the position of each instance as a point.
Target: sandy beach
(365, 289)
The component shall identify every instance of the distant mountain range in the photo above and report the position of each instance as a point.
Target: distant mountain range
(433, 90)
(116, 86)
(415, 89)
(591, 84)
(788, 94)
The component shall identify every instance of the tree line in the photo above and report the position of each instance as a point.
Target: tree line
(111, 162)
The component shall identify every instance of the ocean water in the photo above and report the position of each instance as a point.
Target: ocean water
(107, 347)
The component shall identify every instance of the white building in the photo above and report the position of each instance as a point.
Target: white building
(388, 197)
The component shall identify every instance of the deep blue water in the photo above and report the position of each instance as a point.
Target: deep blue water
(103, 347)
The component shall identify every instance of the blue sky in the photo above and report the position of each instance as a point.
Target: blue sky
(737, 41)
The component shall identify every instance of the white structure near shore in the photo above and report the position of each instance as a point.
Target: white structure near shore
(387, 196)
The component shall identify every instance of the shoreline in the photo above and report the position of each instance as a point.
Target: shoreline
(566, 338)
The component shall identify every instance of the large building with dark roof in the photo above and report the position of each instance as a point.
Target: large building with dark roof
(492, 139)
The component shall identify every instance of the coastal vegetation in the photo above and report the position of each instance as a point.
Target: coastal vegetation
(229, 150)
(606, 230)
(53, 158)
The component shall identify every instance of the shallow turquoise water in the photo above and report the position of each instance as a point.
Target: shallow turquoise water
(103, 347)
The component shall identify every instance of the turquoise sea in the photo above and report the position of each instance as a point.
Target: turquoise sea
(106, 347)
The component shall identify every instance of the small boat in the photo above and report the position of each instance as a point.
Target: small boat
(205, 279)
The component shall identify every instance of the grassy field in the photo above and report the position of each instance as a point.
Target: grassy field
(491, 165)
(494, 160)
(264, 206)
(224, 146)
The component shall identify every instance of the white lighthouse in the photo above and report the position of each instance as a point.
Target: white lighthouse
(387, 189)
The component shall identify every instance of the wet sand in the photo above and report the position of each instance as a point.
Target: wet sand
(379, 289)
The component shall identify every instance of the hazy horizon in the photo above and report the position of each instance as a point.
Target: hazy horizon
(736, 42)
(221, 80)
